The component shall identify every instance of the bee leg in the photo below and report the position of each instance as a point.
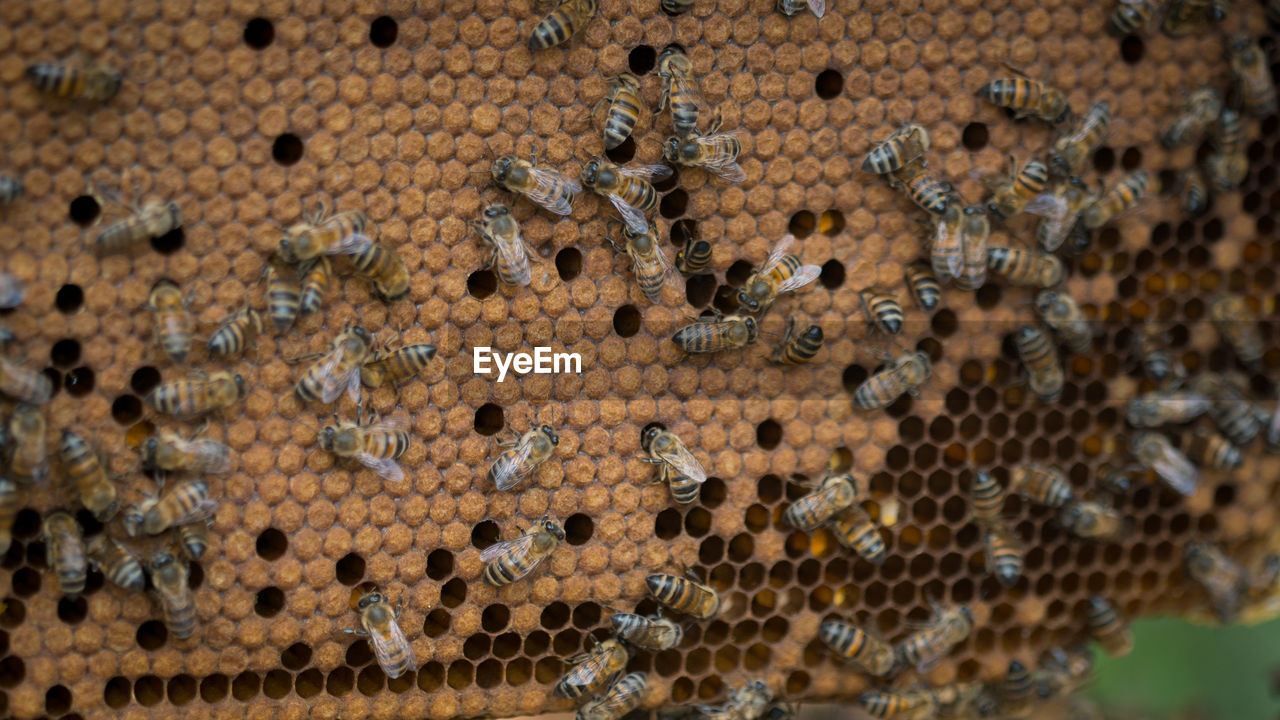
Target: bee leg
(716, 122)
(1015, 69)
(662, 102)
(361, 633)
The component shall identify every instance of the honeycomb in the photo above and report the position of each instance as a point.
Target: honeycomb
(244, 112)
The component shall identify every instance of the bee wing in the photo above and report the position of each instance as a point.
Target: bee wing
(726, 167)
(350, 244)
(214, 456)
(1177, 471)
(386, 647)
(683, 462)
(671, 276)
(646, 172)
(514, 253)
(201, 512)
(633, 218)
(688, 87)
(779, 251)
(515, 545)
(387, 468)
(330, 384)
(819, 7)
(803, 276)
(591, 667)
(1047, 205)
(546, 184)
(353, 385)
(515, 469)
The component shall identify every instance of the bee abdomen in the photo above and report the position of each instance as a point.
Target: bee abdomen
(57, 79)
(554, 29)
(503, 571)
(800, 349)
(623, 114)
(684, 490)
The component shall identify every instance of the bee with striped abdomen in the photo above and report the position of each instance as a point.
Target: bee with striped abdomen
(387, 367)
(904, 375)
(781, 272)
(27, 450)
(1131, 16)
(622, 697)
(24, 384)
(10, 190)
(174, 324)
(1221, 577)
(795, 7)
(854, 529)
(922, 187)
(236, 332)
(686, 595)
(625, 104)
(882, 312)
(593, 669)
(1060, 313)
(1237, 326)
(1155, 453)
(192, 540)
(946, 245)
(1027, 98)
(717, 334)
(1003, 555)
(336, 369)
(522, 456)
(315, 277)
(1045, 484)
(1197, 115)
(178, 604)
(1093, 520)
(197, 394)
(653, 632)
(320, 234)
(168, 452)
(1063, 671)
(560, 24)
(1108, 628)
(1237, 418)
(1114, 200)
(1026, 267)
(1193, 192)
(680, 90)
(949, 627)
(835, 494)
(509, 253)
(853, 644)
(182, 503)
(676, 465)
(975, 230)
(11, 499)
(748, 702)
(1009, 198)
(542, 186)
(1072, 149)
(628, 188)
(1153, 353)
(1228, 164)
(1059, 212)
(1211, 450)
(144, 222)
(1016, 691)
(77, 79)
(715, 152)
(695, 254)
(284, 294)
(903, 146)
(1182, 17)
(64, 551)
(1166, 407)
(116, 561)
(986, 498)
(649, 263)
(797, 348)
(378, 625)
(384, 268)
(925, 288)
(1042, 366)
(374, 444)
(1254, 85)
(910, 704)
(84, 469)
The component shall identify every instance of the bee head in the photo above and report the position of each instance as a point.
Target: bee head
(752, 329)
(552, 526)
(501, 169)
(551, 435)
(161, 559)
(967, 613)
(149, 448)
(591, 173)
(496, 210)
(647, 436)
(326, 437)
(239, 381)
(639, 241)
(372, 598)
(671, 149)
(975, 210)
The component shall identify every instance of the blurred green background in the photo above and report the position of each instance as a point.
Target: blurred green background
(1181, 670)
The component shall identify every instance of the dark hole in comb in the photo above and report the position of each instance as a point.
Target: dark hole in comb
(383, 31)
(569, 263)
(358, 653)
(641, 59)
(483, 283)
(725, 299)
(276, 684)
(245, 686)
(170, 242)
(668, 182)
(944, 323)
(126, 409)
(832, 275)
(1104, 159)
(439, 564)
(182, 689)
(488, 419)
(494, 619)
(84, 210)
(828, 84)
(802, 224)
(578, 528)
(1132, 49)
(436, 623)
(852, 377)
(148, 690)
(269, 601)
(14, 610)
(484, 534)
(738, 273)
(350, 569)
(69, 299)
(271, 544)
(626, 321)
(65, 352)
(117, 692)
(57, 700)
(667, 524)
(768, 434)
(975, 136)
(296, 656)
(988, 296)
(151, 635)
(72, 610)
(258, 33)
(80, 382)
(340, 682)
(623, 153)
(213, 688)
(55, 377)
(699, 289)
(287, 149)
(144, 380)
(1131, 158)
(674, 204)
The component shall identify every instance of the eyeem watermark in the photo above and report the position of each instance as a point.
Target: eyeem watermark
(541, 362)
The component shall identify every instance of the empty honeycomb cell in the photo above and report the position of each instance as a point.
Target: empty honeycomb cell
(802, 224)
(69, 298)
(25, 583)
(975, 136)
(80, 381)
(151, 635)
(832, 275)
(72, 610)
(148, 690)
(271, 544)
(359, 654)
(65, 352)
(674, 204)
(117, 692)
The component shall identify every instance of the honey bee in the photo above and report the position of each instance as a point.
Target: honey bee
(949, 627)
(625, 105)
(1197, 115)
(1003, 555)
(975, 229)
(1060, 212)
(378, 625)
(628, 188)
(315, 282)
(986, 497)
(1182, 17)
(24, 384)
(1154, 452)
(854, 529)
(1027, 98)
(182, 503)
(906, 373)
(374, 444)
(853, 644)
(1252, 73)
(1166, 407)
(28, 451)
(1222, 578)
(84, 468)
(903, 146)
(1238, 326)
(11, 290)
(197, 394)
(1157, 362)
(177, 603)
(1108, 628)
(946, 251)
(1026, 267)
(543, 186)
(76, 80)
(10, 502)
(1024, 185)
(795, 7)
(284, 295)
(676, 465)
(695, 254)
(522, 457)
(686, 595)
(1016, 690)
(727, 332)
(1211, 450)
(924, 286)
(116, 562)
(1093, 520)
(564, 22)
(1043, 368)
(748, 702)
(1130, 16)
(393, 367)
(320, 234)
(593, 669)
(192, 540)
(10, 190)
(236, 332)
(622, 697)
(1063, 671)
(1234, 415)
(676, 7)
(910, 704)
(797, 348)
(510, 254)
(653, 632)
(680, 90)
(1228, 164)
(384, 268)
(1072, 149)
(1273, 429)
(882, 312)
(833, 495)
(1116, 199)
(1060, 312)
(1193, 192)
(147, 221)
(715, 152)
(510, 560)
(1042, 483)
(64, 551)
(168, 452)
(966, 700)
(648, 261)
(174, 324)
(339, 368)
(922, 187)
(780, 273)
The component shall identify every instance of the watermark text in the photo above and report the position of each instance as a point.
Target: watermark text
(542, 361)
